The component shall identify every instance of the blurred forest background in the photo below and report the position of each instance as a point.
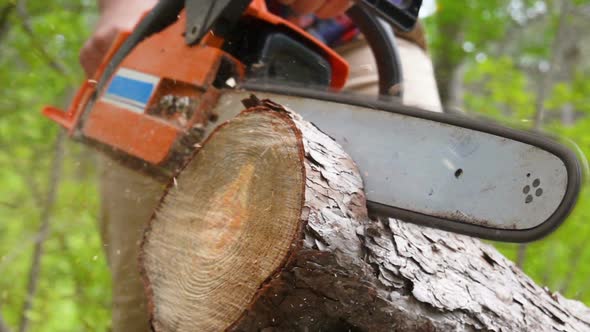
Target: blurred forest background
(522, 62)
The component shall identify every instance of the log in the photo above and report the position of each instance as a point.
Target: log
(266, 229)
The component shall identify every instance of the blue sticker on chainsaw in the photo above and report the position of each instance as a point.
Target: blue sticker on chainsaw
(131, 90)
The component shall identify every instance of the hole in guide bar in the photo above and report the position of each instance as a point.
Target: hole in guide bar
(458, 173)
(526, 189)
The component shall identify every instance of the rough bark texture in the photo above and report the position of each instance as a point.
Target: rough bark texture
(348, 272)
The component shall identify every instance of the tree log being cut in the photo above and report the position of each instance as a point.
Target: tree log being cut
(266, 229)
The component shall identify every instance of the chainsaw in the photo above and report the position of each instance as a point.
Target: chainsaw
(187, 66)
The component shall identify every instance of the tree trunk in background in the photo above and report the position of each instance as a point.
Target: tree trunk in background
(570, 56)
(559, 50)
(278, 239)
(456, 93)
(447, 59)
(3, 326)
(44, 229)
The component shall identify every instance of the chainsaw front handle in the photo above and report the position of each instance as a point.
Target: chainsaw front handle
(151, 22)
(381, 39)
(378, 33)
(69, 118)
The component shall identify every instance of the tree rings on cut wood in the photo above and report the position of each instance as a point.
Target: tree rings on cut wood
(227, 224)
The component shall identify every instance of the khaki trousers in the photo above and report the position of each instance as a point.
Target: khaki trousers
(128, 198)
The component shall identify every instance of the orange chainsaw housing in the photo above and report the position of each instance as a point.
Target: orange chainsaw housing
(167, 123)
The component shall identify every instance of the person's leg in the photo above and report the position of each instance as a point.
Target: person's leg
(128, 201)
(419, 84)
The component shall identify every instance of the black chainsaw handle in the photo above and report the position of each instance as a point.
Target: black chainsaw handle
(381, 39)
(379, 35)
(365, 14)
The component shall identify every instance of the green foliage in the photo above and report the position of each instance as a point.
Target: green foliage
(502, 91)
(463, 27)
(74, 286)
(575, 92)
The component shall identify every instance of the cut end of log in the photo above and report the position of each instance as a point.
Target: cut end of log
(227, 224)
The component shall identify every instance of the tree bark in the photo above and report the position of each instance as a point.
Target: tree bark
(266, 229)
(44, 229)
(3, 326)
(448, 59)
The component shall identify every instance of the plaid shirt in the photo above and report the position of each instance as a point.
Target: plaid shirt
(332, 32)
